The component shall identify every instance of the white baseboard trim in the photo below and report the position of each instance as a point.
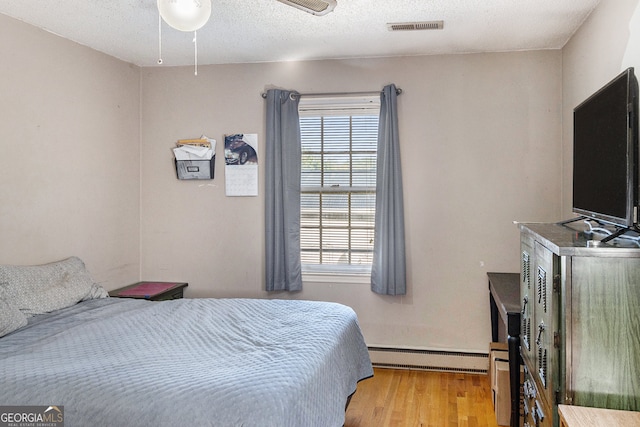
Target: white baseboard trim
(429, 360)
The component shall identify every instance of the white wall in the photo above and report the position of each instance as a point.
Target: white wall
(69, 166)
(480, 142)
(606, 44)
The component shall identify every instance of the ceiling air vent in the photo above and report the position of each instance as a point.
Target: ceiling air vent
(414, 26)
(316, 7)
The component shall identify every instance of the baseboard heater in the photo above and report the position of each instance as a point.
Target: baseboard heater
(429, 360)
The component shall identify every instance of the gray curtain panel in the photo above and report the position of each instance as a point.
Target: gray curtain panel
(282, 192)
(388, 270)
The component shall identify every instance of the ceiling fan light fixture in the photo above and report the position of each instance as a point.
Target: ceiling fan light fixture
(315, 7)
(185, 15)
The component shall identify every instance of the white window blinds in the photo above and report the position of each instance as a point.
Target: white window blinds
(338, 182)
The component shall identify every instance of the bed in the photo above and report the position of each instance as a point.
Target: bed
(201, 362)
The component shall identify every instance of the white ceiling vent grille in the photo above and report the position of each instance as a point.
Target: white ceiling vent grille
(316, 7)
(414, 26)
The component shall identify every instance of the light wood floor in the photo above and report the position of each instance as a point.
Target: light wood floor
(395, 397)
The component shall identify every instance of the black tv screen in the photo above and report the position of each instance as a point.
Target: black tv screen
(605, 153)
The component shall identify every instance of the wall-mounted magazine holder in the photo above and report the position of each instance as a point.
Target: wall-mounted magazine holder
(195, 158)
(195, 169)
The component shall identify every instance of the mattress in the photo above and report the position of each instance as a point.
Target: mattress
(198, 362)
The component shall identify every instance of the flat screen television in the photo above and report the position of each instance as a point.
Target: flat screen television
(605, 153)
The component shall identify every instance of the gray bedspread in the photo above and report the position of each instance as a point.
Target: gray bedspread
(188, 362)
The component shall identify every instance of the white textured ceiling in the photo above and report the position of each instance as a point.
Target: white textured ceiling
(267, 30)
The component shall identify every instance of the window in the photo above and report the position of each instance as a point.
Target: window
(338, 183)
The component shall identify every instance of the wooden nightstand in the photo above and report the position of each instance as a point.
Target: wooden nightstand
(578, 416)
(153, 291)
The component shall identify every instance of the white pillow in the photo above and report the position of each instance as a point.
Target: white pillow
(37, 289)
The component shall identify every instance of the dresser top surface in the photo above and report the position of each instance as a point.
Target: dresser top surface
(574, 239)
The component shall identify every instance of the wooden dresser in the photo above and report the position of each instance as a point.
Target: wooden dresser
(580, 331)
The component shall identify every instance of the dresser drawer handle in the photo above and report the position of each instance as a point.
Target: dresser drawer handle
(539, 411)
(541, 329)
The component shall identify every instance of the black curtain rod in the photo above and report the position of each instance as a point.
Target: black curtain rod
(398, 92)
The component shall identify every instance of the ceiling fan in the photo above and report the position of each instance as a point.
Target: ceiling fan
(315, 7)
(191, 15)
